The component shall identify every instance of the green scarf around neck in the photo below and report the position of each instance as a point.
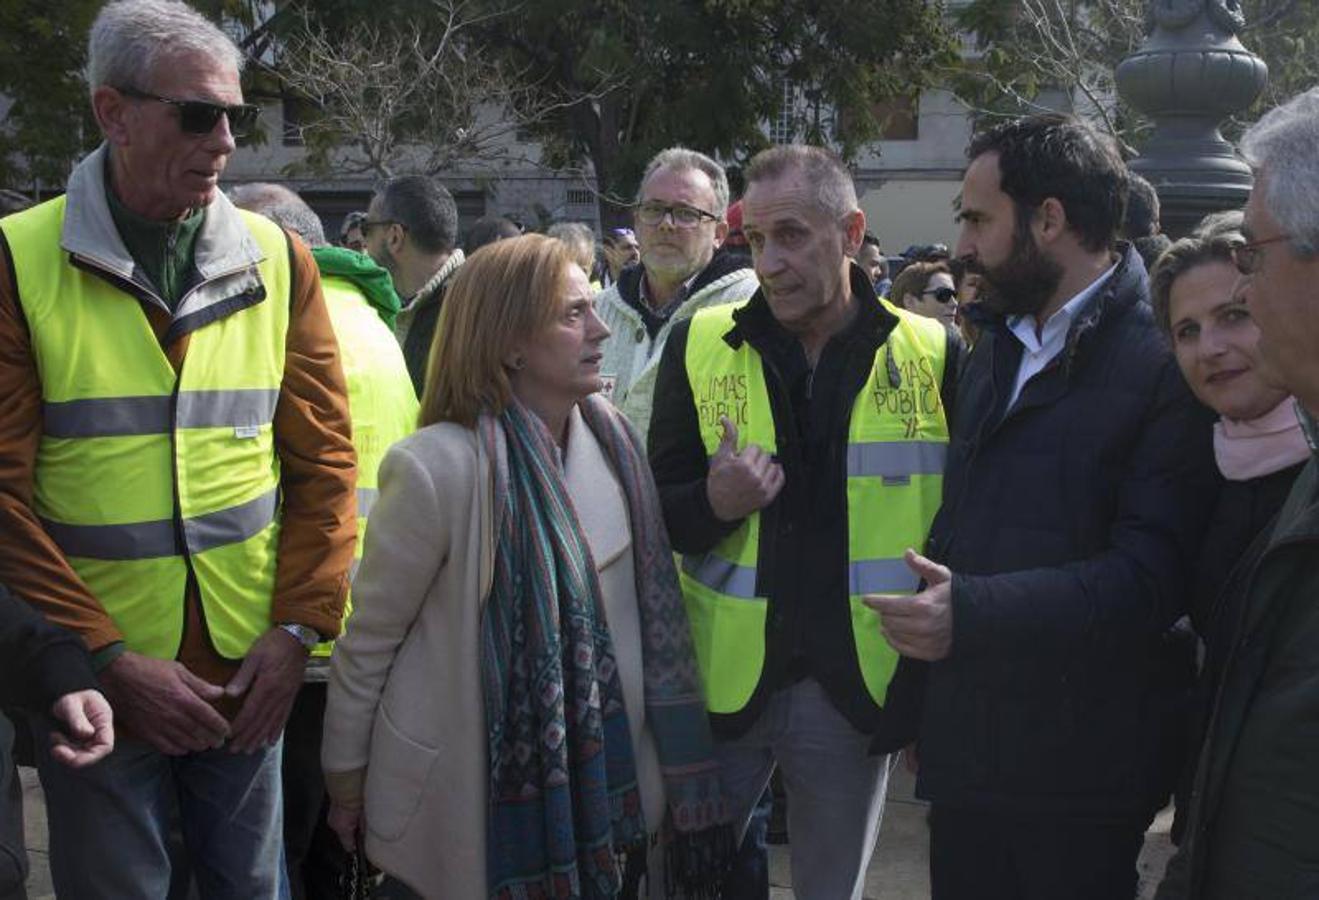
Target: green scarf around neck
(373, 281)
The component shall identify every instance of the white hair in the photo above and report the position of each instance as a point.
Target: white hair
(1283, 146)
(130, 38)
(282, 206)
(580, 240)
(681, 159)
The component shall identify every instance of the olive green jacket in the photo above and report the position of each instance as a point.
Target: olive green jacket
(1254, 825)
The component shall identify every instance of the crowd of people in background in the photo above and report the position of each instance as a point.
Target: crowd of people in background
(463, 563)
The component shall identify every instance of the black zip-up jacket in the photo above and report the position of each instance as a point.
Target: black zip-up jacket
(1071, 522)
(802, 565)
(39, 662)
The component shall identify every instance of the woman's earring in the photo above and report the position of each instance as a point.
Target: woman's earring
(518, 363)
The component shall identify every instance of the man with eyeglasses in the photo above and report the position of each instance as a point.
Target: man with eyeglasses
(1079, 479)
(1255, 803)
(411, 231)
(680, 224)
(177, 484)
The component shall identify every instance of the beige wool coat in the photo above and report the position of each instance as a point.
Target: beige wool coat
(405, 722)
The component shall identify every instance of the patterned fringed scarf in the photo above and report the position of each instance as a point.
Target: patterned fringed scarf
(564, 804)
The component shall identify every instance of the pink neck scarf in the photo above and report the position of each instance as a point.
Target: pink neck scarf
(1261, 446)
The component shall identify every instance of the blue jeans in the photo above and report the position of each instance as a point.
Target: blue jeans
(110, 823)
(835, 788)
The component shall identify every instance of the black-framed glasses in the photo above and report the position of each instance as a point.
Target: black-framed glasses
(683, 216)
(942, 294)
(1246, 257)
(199, 117)
(367, 224)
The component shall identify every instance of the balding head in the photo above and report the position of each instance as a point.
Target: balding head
(283, 207)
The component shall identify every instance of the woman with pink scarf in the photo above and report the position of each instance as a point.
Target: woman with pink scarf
(1258, 442)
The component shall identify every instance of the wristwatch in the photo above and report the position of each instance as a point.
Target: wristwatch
(305, 636)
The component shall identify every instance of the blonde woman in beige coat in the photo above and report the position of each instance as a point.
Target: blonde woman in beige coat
(514, 706)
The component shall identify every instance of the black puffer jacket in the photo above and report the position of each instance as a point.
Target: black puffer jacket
(1070, 522)
(39, 662)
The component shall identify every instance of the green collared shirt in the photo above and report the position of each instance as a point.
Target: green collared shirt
(162, 251)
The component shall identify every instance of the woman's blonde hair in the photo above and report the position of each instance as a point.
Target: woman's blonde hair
(507, 293)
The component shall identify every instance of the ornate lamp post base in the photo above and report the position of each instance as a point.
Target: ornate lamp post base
(1189, 75)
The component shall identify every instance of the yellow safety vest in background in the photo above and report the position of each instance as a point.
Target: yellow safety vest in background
(381, 402)
(143, 475)
(897, 444)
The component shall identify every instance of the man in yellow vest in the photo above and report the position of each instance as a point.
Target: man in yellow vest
(362, 303)
(177, 482)
(798, 442)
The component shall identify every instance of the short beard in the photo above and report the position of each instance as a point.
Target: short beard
(387, 262)
(1024, 283)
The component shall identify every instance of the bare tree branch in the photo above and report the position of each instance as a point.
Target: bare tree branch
(382, 98)
(1057, 44)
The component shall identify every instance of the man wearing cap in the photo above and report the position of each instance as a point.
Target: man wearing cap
(620, 251)
(176, 471)
(680, 219)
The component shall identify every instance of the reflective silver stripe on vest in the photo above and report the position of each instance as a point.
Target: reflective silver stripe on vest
(890, 459)
(881, 576)
(116, 416)
(150, 540)
(135, 540)
(108, 417)
(232, 525)
(720, 575)
(869, 576)
(220, 409)
(366, 498)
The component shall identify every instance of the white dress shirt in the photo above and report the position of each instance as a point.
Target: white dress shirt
(1038, 350)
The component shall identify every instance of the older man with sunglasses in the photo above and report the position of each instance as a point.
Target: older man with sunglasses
(177, 477)
(679, 217)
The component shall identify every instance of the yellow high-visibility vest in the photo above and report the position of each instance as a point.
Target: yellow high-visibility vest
(897, 444)
(381, 402)
(144, 475)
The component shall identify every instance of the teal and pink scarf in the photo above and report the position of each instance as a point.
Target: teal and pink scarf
(564, 805)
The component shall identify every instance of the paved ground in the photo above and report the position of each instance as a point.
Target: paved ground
(899, 868)
(898, 871)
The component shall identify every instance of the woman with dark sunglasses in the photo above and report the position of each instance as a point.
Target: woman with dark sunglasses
(926, 288)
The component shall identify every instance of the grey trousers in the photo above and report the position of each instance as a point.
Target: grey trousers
(835, 788)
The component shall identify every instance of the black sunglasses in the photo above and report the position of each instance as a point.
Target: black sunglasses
(199, 117)
(367, 224)
(943, 294)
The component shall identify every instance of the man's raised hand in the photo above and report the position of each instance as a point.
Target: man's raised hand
(740, 482)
